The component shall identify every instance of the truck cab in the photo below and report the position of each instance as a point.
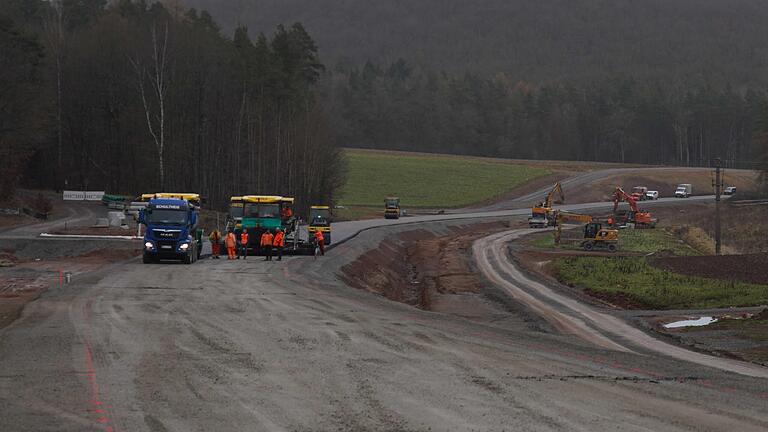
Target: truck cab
(683, 190)
(320, 220)
(171, 232)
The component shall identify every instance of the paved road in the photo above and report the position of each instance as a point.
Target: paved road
(343, 231)
(70, 214)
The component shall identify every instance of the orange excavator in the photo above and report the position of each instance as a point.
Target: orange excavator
(635, 216)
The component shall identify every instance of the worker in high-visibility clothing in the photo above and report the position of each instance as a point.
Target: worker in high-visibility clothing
(243, 250)
(215, 239)
(266, 244)
(230, 242)
(320, 240)
(279, 243)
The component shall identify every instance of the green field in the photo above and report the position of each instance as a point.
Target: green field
(656, 288)
(429, 181)
(630, 240)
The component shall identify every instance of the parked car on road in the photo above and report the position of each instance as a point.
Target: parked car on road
(652, 195)
(730, 190)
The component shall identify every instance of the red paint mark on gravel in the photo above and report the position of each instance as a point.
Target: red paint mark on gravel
(97, 406)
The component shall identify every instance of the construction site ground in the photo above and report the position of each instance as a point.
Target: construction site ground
(403, 326)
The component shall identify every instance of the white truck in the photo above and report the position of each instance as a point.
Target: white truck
(683, 190)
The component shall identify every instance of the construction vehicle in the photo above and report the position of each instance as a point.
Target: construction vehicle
(392, 208)
(634, 217)
(542, 214)
(638, 193)
(596, 234)
(172, 233)
(235, 215)
(320, 220)
(268, 212)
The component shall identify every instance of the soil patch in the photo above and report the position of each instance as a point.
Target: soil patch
(25, 280)
(751, 268)
(426, 269)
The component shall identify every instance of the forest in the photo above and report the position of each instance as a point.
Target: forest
(140, 95)
(136, 96)
(651, 81)
(616, 120)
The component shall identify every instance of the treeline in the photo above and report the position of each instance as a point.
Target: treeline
(134, 96)
(616, 120)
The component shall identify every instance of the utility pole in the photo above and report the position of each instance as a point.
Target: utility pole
(718, 189)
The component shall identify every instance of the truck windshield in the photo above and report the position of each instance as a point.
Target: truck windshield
(166, 217)
(262, 210)
(236, 211)
(392, 204)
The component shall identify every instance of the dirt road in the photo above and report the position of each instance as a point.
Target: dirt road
(249, 345)
(581, 320)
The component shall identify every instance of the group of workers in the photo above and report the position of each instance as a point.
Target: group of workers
(269, 243)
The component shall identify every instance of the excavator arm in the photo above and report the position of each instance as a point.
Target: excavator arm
(565, 217)
(557, 189)
(619, 195)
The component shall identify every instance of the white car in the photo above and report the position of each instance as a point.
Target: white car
(652, 195)
(730, 190)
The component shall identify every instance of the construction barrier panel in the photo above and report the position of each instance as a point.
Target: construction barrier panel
(83, 195)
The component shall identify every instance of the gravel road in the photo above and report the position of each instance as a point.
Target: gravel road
(250, 345)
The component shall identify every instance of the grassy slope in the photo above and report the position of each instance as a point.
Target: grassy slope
(429, 181)
(629, 240)
(656, 288)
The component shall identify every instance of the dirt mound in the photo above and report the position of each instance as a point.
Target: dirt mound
(420, 267)
(752, 268)
(762, 316)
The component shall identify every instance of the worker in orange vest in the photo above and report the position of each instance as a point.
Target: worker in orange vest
(610, 221)
(266, 244)
(243, 251)
(230, 242)
(215, 238)
(279, 243)
(320, 240)
(286, 213)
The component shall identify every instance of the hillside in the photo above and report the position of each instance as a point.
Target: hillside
(534, 41)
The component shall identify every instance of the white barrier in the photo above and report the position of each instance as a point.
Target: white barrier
(83, 195)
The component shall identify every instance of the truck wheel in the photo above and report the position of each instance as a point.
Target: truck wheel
(611, 247)
(588, 246)
(188, 258)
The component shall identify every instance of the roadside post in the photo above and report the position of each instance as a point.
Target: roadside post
(718, 184)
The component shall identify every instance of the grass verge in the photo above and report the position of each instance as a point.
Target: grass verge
(632, 277)
(630, 240)
(429, 181)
